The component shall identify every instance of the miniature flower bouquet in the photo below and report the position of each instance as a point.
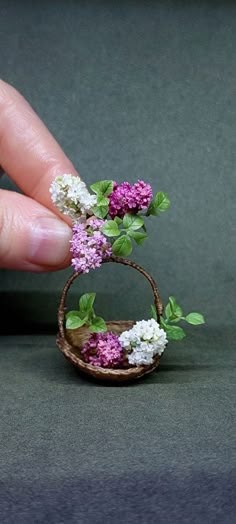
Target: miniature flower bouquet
(107, 221)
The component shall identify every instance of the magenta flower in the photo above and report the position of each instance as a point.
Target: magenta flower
(89, 246)
(129, 199)
(103, 350)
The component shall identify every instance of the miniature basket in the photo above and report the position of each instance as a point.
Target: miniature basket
(71, 341)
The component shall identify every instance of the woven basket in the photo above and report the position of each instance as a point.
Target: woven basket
(71, 341)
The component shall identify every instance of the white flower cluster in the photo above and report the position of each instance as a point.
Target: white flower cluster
(145, 340)
(71, 197)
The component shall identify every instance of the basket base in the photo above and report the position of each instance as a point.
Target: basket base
(74, 341)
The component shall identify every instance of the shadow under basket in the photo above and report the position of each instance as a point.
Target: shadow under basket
(70, 342)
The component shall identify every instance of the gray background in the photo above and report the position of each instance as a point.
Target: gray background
(136, 90)
(130, 90)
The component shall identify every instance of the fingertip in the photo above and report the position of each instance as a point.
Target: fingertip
(32, 238)
(48, 242)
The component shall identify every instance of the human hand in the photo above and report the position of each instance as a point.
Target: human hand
(33, 234)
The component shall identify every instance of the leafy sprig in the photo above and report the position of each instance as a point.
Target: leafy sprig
(85, 315)
(102, 189)
(127, 230)
(122, 232)
(158, 204)
(173, 315)
(132, 227)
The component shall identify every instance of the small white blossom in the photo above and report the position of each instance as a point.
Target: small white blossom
(145, 340)
(71, 197)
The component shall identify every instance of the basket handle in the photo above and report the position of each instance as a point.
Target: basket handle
(117, 260)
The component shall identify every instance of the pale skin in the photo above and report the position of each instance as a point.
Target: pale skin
(33, 234)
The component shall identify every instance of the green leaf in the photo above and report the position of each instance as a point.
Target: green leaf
(195, 319)
(86, 302)
(104, 187)
(158, 204)
(110, 229)
(100, 211)
(174, 332)
(138, 236)
(132, 222)
(153, 312)
(84, 315)
(174, 310)
(172, 303)
(118, 220)
(74, 313)
(122, 247)
(163, 323)
(98, 325)
(73, 321)
(162, 201)
(168, 311)
(176, 319)
(102, 201)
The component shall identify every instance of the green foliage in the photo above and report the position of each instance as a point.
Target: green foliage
(132, 222)
(195, 319)
(102, 201)
(85, 315)
(73, 320)
(174, 332)
(173, 314)
(138, 236)
(158, 204)
(163, 324)
(104, 187)
(100, 211)
(110, 229)
(173, 311)
(118, 220)
(102, 190)
(98, 325)
(122, 247)
(86, 302)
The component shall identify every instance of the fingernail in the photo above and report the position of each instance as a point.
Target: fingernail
(50, 242)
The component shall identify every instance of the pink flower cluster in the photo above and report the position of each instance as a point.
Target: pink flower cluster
(104, 350)
(89, 246)
(126, 198)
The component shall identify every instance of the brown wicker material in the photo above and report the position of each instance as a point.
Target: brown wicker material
(71, 341)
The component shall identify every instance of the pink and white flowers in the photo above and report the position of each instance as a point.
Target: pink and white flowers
(90, 213)
(138, 346)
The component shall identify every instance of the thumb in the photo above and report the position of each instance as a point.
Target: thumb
(32, 238)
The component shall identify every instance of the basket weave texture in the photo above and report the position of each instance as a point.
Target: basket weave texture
(70, 342)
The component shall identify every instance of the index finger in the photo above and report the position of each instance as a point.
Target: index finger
(28, 152)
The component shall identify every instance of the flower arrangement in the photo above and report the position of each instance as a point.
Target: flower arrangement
(107, 221)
